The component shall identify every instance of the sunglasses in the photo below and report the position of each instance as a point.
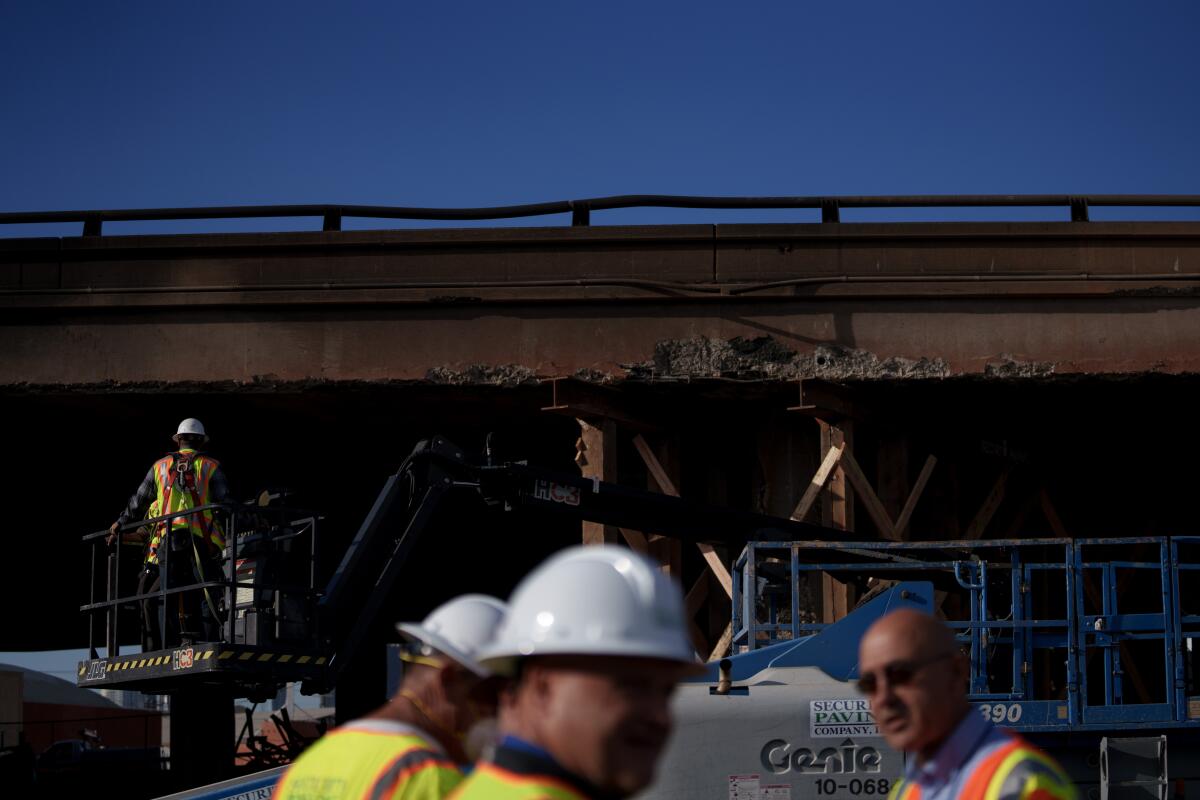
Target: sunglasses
(897, 673)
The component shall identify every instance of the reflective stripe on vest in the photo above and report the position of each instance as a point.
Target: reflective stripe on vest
(1039, 779)
(352, 764)
(171, 498)
(904, 790)
(1038, 776)
(155, 535)
(489, 782)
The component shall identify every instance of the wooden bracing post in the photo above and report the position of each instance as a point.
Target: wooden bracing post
(837, 511)
(828, 463)
(693, 602)
(636, 540)
(871, 501)
(597, 458)
(839, 467)
(667, 486)
(901, 526)
(667, 550)
(601, 414)
(717, 571)
(990, 505)
(892, 530)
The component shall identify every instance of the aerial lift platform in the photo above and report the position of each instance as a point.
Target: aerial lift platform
(284, 626)
(280, 625)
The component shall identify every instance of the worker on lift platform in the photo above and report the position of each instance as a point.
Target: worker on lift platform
(416, 746)
(177, 482)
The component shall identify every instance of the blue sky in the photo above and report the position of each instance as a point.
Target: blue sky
(466, 104)
(143, 104)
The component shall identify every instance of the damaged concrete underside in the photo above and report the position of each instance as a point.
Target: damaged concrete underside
(1028, 358)
(769, 302)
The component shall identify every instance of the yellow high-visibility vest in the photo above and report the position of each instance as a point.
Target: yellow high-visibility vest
(490, 782)
(370, 760)
(176, 491)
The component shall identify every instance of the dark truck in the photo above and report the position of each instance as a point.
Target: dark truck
(79, 767)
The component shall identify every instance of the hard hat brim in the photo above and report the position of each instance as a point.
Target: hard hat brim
(504, 661)
(414, 632)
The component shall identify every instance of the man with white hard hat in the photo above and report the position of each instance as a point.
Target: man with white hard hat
(415, 746)
(178, 482)
(595, 642)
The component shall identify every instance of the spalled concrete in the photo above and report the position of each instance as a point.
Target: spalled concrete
(855, 302)
(764, 358)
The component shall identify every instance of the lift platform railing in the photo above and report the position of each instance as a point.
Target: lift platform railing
(239, 523)
(1059, 632)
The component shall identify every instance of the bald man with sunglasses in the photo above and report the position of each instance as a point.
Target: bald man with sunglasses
(916, 679)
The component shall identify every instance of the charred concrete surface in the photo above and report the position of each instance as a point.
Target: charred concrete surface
(764, 358)
(1009, 367)
(772, 340)
(509, 307)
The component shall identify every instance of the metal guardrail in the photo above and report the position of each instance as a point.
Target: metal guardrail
(581, 210)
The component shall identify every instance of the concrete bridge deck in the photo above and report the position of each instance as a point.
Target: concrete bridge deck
(842, 301)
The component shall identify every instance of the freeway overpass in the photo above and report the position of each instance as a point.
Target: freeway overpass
(1047, 366)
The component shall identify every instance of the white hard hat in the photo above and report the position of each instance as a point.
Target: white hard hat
(602, 601)
(459, 628)
(191, 427)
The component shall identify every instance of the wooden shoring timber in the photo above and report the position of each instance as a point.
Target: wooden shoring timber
(891, 473)
(723, 643)
(871, 501)
(837, 511)
(667, 486)
(696, 596)
(837, 508)
(1051, 515)
(986, 511)
(833, 457)
(692, 603)
(1014, 528)
(836, 598)
(818, 483)
(910, 505)
(597, 458)
(636, 540)
(668, 552)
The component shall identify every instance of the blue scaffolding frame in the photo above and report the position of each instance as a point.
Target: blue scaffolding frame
(1028, 608)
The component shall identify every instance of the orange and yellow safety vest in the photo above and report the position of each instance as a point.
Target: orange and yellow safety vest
(1016, 770)
(370, 760)
(181, 482)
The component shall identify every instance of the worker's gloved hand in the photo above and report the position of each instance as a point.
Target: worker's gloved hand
(112, 533)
